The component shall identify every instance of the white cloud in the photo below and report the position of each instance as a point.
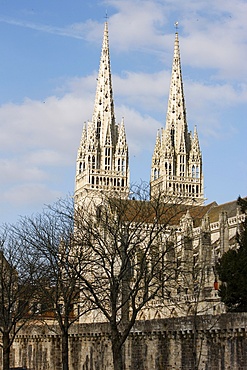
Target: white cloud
(29, 194)
(18, 169)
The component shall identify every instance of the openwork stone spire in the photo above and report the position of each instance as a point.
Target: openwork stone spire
(177, 161)
(102, 161)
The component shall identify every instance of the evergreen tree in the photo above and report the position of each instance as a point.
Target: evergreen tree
(232, 270)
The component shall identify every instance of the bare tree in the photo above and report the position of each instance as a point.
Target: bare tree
(16, 290)
(48, 239)
(130, 264)
(115, 258)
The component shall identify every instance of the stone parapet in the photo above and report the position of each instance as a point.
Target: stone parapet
(217, 342)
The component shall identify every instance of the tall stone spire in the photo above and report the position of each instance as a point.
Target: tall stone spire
(102, 160)
(103, 114)
(176, 112)
(177, 161)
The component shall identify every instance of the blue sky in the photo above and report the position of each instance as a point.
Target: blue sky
(50, 52)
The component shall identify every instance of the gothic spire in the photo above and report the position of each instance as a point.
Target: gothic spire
(102, 161)
(103, 114)
(177, 170)
(176, 112)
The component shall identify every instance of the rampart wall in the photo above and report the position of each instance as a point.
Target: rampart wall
(220, 342)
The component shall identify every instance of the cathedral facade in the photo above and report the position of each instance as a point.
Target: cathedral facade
(204, 232)
(189, 321)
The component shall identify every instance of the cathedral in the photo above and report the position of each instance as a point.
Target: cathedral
(183, 325)
(176, 173)
(187, 325)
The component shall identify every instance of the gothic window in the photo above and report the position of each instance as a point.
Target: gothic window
(173, 136)
(123, 166)
(182, 166)
(118, 164)
(80, 165)
(107, 158)
(197, 172)
(193, 171)
(93, 162)
(98, 128)
(98, 160)
(155, 173)
(107, 163)
(170, 169)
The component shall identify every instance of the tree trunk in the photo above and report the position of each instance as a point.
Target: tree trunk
(117, 356)
(117, 348)
(65, 351)
(6, 350)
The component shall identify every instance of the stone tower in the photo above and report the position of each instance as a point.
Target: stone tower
(102, 160)
(177, 160)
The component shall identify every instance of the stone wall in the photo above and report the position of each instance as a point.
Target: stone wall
(220, 343)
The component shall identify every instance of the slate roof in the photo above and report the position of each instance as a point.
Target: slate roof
(147, 212)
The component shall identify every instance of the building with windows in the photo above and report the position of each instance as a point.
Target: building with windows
(189, 322)
(203, 232)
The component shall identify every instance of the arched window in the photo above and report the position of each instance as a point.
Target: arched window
(155, 173)
(80, 165)
(107, 158)
(170, 169)
(123, 166)
(98, 128)
(197, 172)
(182, 167)
(173, 136)
(93, 162)
(193, 171)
